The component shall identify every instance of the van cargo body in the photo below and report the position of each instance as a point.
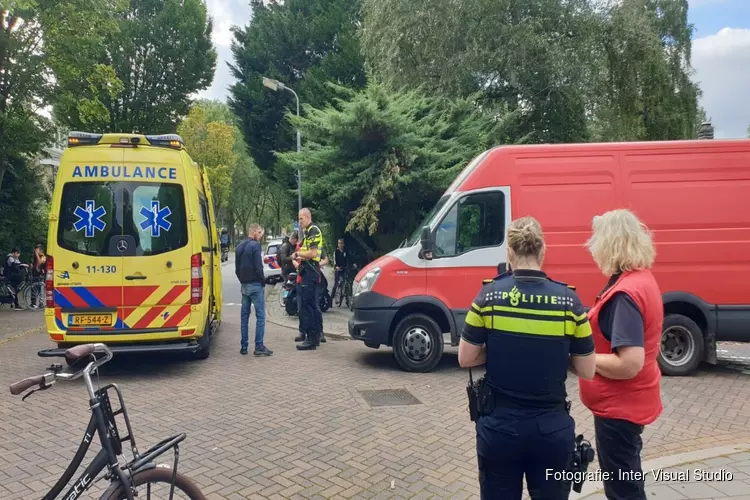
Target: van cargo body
(693, 195)
(133, 247)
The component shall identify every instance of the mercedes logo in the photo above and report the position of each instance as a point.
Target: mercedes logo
(122, 246)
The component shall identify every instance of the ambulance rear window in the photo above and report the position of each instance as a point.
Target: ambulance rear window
(95, 215)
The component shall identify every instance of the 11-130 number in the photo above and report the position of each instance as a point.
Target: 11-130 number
(101, 269)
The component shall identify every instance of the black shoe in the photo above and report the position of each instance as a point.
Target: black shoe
(323, 339)
(243, 351)
(262, 351)
(306, 346)
(299, 338)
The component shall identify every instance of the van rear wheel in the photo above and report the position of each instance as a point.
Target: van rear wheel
(418, 343)
(204, 343)
(681, 346)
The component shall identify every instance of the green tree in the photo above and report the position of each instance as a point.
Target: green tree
(576, 69)
(378, 160)
(303, 43)
(137, 71)
(211, 144)
(24, 86)
(531, 55)
(645, 88)
(24, 207)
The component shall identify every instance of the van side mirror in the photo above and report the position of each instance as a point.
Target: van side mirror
(425, 240)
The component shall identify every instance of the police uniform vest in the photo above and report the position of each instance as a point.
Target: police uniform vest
(530, 324)
(312, 236)
(636, 400)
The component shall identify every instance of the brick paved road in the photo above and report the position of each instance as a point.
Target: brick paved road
(295, 425)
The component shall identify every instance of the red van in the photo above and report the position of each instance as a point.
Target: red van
(693, 195)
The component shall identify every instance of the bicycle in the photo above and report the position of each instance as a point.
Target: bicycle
(126, 480)
(344, 286)
(32, 290)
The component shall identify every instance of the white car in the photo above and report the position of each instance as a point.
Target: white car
(271, 267)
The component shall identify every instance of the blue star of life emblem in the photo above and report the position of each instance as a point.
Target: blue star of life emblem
(156, 219)
(89, 218)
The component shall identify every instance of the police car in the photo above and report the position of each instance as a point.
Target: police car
(133, 254)
(271, 266)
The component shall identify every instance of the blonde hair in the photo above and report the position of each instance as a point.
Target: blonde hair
(620, 242)
(525, 238)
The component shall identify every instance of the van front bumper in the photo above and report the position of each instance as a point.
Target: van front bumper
(125, 348)
(372, 319)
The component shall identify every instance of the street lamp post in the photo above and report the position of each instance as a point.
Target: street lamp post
(276, 85)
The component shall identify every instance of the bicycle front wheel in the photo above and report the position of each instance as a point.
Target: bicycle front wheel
(155, 484)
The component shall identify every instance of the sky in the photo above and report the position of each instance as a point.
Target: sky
(720, 57)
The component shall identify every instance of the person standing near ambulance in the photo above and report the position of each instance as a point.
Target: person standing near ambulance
(529, 330)
(626, 319)
(309, 256)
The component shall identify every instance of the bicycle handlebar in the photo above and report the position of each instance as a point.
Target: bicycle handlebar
(71, 355)
(21, 386)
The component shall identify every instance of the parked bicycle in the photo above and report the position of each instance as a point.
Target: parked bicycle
(137, 478)
(32, 292)
(344, 286)
(6, 292)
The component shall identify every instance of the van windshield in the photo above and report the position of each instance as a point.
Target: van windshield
(94, 216)
(414, 238)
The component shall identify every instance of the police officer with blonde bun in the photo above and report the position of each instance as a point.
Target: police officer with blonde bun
(529, 330)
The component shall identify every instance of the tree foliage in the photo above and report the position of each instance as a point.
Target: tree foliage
(242, 195)
(24, 86)
(211, 144)
(378, 158)
(304, 44)
(135, 69)
(577, 69)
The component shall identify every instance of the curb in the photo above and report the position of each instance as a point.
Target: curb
(592, 488)
(278, 322)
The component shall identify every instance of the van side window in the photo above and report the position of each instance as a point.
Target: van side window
(475, 221)
(204, 218)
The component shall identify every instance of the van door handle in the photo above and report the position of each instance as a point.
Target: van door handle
(136, 277)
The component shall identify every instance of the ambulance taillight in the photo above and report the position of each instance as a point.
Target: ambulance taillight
(49, 282)
(196, 279)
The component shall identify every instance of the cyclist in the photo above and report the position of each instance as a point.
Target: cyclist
(13, 271)
(341, 263)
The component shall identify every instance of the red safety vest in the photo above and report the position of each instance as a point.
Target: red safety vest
(636, 400)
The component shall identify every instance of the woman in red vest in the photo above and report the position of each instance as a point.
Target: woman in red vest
(626, 320)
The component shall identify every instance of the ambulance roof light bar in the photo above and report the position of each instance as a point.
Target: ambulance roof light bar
(83, 139)
(166, 140)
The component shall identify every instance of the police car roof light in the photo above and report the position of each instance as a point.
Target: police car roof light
(83, 139)
(166, 140)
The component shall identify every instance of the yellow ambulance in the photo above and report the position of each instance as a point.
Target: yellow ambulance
(133, 256)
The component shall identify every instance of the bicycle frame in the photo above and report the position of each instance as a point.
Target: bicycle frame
(101, 423)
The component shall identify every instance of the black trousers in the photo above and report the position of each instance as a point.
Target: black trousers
(513, 443)
(618, 447)
(310, 316)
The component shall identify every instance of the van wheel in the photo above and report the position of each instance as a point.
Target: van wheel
(204, 343)
(418, 343)
(681, 346)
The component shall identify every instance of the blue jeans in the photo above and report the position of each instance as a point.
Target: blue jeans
(252, 293)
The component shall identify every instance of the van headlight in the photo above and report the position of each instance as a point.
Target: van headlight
(367, 281)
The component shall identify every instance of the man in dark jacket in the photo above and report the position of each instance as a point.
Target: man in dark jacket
(248, 266)
(285, 255)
